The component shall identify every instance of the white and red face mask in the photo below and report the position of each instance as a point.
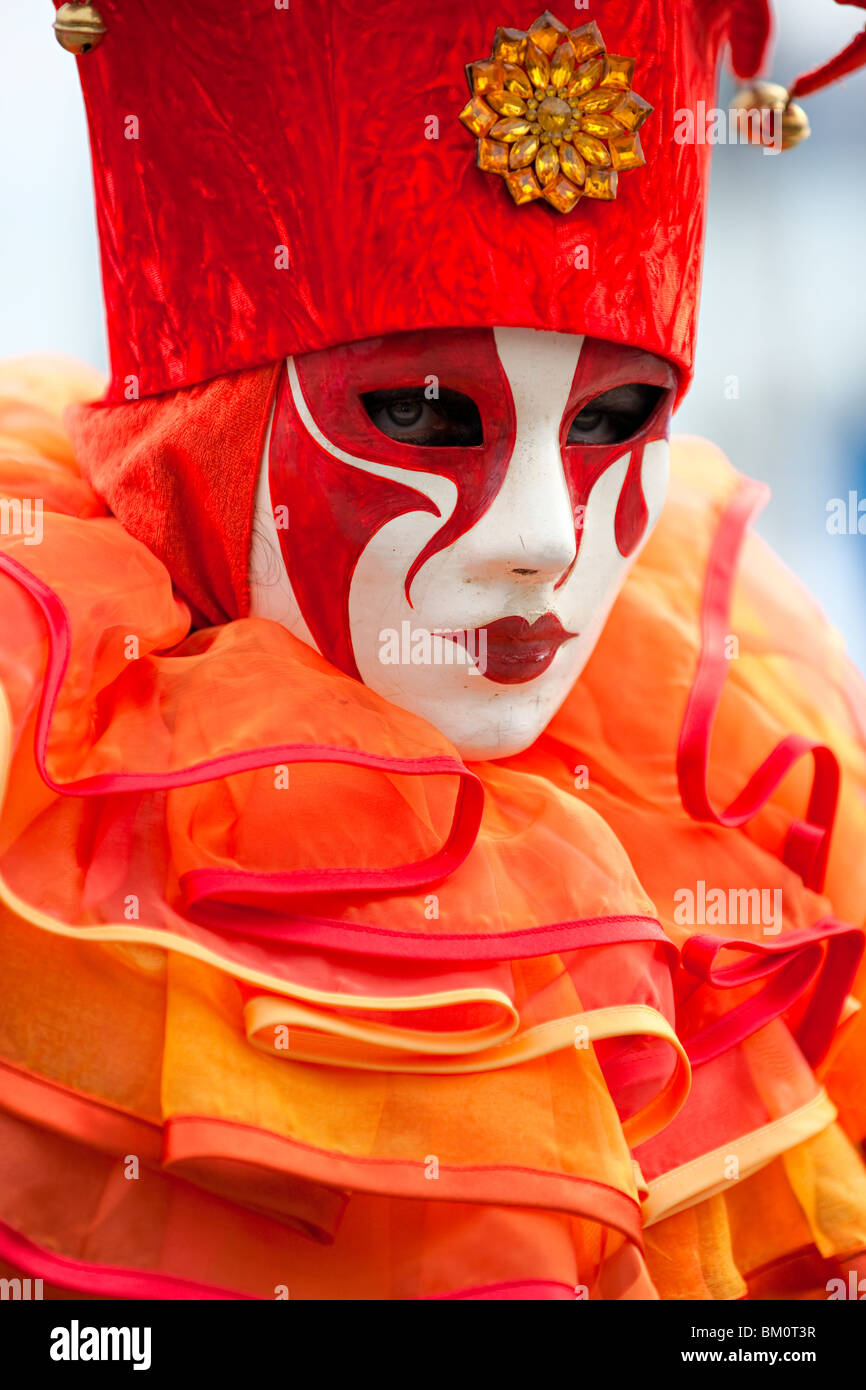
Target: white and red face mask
(449, 515)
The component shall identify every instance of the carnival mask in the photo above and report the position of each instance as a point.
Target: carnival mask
(449, 515)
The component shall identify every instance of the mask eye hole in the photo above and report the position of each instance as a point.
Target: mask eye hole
(406, 414)
(616, 415)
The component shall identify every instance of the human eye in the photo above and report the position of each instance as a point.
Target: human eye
(615, 415)
(405, 414)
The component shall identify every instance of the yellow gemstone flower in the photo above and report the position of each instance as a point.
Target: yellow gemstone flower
(555, 113)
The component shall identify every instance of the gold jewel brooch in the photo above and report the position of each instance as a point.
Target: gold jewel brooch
(555, 113)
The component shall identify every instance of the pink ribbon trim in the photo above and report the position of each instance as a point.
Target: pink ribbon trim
(101, 1281)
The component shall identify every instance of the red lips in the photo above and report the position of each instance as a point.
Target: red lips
(512, 651)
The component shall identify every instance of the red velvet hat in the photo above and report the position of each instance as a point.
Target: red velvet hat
(278, 176)
(273, 178)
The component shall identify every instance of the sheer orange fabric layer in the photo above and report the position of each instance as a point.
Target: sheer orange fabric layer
(438, 1046)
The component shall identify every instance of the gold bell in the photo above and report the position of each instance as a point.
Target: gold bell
(769, 96)
(795, 126)
(79, 27)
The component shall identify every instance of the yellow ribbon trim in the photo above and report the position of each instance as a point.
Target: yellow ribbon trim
(700, 1178)
(265, 1013)
(371, 1046)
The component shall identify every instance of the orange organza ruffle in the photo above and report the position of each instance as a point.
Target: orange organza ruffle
(436, 1046)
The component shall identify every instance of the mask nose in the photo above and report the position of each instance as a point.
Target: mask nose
(528, 535)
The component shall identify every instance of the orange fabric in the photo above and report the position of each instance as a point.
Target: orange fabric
(788, 672)
(142, 1012)
(689, 1256)
(101, 1210)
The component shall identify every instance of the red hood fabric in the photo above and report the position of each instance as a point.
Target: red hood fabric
(179, 472)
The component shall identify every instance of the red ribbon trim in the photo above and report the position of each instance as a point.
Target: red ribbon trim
(828, 953)
(468, 809)
(363, 939)
(808, 840)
